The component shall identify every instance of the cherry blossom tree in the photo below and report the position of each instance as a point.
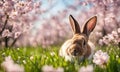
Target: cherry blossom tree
(16, 18)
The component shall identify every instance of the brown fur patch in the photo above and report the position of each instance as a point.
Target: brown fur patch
(76, 43)
(88, 52)
(77, 47)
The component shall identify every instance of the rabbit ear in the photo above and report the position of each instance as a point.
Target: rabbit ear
(90, 25)
(74, 25)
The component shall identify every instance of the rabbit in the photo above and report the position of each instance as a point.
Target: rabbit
(79, 47)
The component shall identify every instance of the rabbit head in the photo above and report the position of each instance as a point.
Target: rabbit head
(78, 45)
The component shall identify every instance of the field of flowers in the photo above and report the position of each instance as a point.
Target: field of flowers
(105, 59)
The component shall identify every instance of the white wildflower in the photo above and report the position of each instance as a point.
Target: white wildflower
(52, 53)
(100, 58)
(24, 61)
(101, 42)
(31, 57)
(117, 56)
(19, 57)
(18, 48)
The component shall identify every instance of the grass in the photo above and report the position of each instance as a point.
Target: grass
(49, 56)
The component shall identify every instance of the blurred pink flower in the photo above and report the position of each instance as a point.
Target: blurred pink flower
(84, 3)
(6, 33)
(88, 68)
(118, 30)
(100, 58)
(115, 34)
(100, 42)
(10, 66)
(99, 34)
(47, 68)
(17, 34)
(112, 38)
(13, 14)
(16, 18)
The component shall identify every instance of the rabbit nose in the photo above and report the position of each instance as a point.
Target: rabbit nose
(74, 53)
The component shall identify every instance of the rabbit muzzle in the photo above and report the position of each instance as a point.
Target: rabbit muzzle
(75, 50)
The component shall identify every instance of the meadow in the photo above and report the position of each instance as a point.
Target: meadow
(34, 58)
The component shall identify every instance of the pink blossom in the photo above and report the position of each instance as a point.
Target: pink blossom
(13, 14)
(88, 68)
(118, 30)
(115, 34)
(112, 38)
(10, 66)
(100, 58)
(17, 34)
(99, 34)
(16, 18)
(100, 42)
(6, 33)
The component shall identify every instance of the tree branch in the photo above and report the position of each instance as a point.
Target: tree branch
(7, 17)
(14, 41)
(6, 41)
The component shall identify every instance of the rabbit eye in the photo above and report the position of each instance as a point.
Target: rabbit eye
(84, 43)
